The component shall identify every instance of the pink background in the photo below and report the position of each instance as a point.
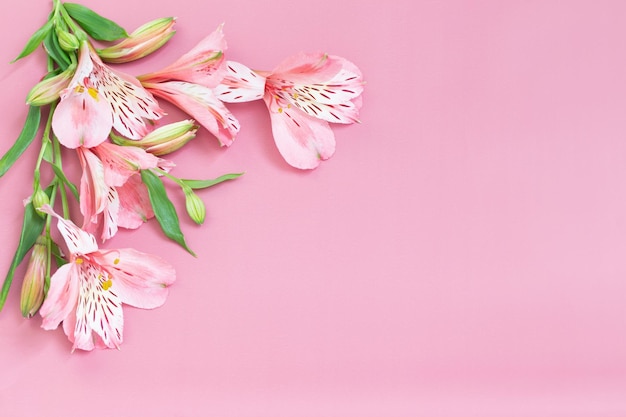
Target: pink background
(462, 254)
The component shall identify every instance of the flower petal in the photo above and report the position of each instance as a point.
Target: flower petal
(139, 279)
(203, 64)
(135, 207)
(201, 104)
(110, 215)
(302, 140)
(240, 84)
(77, 240)
(61, 297)
(121, 162)
(99, 309)
(93, 188)
(82, 118)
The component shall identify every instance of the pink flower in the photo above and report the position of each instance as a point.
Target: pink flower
(98, 99)
(303, 94)
(108, 190)
(87, 293)
(188, 84)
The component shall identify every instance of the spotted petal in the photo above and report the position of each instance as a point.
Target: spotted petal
(77, 240)
(240, 84)
(99, 309)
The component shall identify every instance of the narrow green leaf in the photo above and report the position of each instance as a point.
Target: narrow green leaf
(96, 26)
(197, 184)
(164, 210)
(51, 43)
(23, 140)
(35, 40)
(61, 175)
(31, 229)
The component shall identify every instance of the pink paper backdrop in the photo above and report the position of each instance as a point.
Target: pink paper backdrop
(462, 254)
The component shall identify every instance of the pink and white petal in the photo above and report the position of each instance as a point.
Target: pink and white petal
(61, 298)
(121, 162)
(82, 119)
(135, 207)
(110, 215)
(77, 240)
(302, 140)
(240, 84)
(139, 279)
(93, 188)
(129, 102)
(201, 104)
(99, 310)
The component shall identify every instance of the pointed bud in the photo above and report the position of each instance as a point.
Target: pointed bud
(49, 89)
(195, 206)
(35, 278)
(165, 139)
(68, 41)
(145, 40)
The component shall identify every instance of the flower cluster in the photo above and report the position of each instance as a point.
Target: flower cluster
(111, 124)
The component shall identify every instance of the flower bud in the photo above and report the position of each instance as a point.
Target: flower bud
(40, 198)
(68, 41)
(35, 278)
(195, 206)
(143, 41)
(165, 139)
(49, 89)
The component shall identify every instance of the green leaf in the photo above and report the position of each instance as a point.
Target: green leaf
(61, 175)
(31, 229)
(51, 42)
(197, 184)
(96, 26)
(164, 210)
(24, 139)
(35, 40)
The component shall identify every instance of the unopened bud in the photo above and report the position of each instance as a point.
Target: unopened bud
(165, 139)
(33, 286)
(68, 41)
(40, 198)
(143, 41)
(49, 89)
(195, 206)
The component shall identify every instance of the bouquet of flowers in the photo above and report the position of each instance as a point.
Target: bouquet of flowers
(110, 123)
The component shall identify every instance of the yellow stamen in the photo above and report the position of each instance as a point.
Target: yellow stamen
(107, 284)
(93, 93)
(79, 89)
(295, 96)
(116, 261)
(280, 110)
(79, 261)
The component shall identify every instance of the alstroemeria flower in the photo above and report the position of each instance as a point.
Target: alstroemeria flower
(98, 99)
(107, 172)
(303, 94)
(188, 84)
(87, 293)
